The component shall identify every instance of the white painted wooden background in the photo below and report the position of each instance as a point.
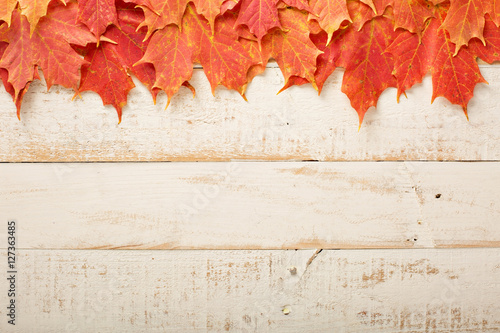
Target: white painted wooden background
(395, 228)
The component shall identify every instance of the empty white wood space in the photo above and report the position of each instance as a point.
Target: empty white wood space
(449, 290)
(252, 205)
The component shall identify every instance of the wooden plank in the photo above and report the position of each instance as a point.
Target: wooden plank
(252, 205)
(405, 291)
(295, 125)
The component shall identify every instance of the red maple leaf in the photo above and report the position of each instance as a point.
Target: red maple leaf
(260, 16)
(160, 13)
(97, 15)
(465, 20)
(368, 69)
(330, 14)
(292, 48)
(106, 75)
(131, 44)
(6, 9)
(48, 48)
(453, 77)
(225, 60)
(171, 56)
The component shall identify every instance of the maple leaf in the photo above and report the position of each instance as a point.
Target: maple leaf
(97, 15)
(465, 20)
(161, 13)
(171, 56)
(260, 16)
(34, 10)
(6, 9)
(131, 44)
(299, 4)
(411, 14)
(210, 9)
(228, 5)
(48, 48)
(225, 60)
(360, 13)
(453, 77)
(326, 61)
(18, 58)
(330, 14)
(4, 76)
(292, 48)
(491, 51)
(106, 75)
(494, 11)
(368, 71)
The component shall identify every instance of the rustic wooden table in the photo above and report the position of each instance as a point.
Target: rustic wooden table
(277, 215)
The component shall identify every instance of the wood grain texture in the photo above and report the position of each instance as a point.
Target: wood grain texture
(248, 291)
(295, 125)
(252, 205)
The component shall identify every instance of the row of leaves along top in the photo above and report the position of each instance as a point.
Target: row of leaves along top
(96, 44)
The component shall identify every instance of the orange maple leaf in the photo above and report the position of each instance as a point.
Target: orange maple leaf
(260, 16)
(161, 13)
(6, 9)
(171, 56)
(453, 77)
(465, 20)
(48, 48)
(106, 75)
(292, 48)
(491, 51)
(368, 69)
(330, 14)
(225, 60)
(34, 10)
(131, 45)
(97, 15)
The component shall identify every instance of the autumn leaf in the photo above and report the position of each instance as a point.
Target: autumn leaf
(368, 69)
(210, 9)
(48, 48)
(330, 14)
(106, 75)
(171, 56)
(326, 61)
(292, 48)
(34, 10)
(131, 44)
(299, 4)
(225, 60)
(413, 56)
(453, 77)
(494, 12)
(161, 13)
(360, 13)
(411, 14)
(97, 15)
(6, 9)
(260, 16)
(18, 58)
(491, 51)
(4, 76)
(465, 20)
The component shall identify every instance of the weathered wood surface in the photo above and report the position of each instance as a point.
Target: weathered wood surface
(252, 205)
(295, 125)
(452, 290)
